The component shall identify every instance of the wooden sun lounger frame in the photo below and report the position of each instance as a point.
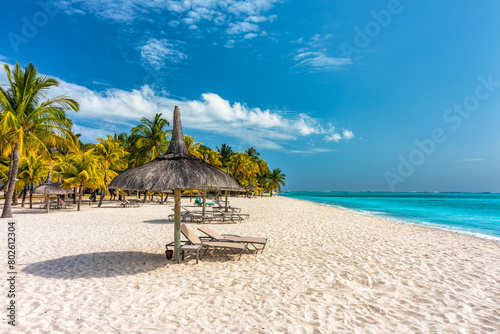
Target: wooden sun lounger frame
(126, 204)
(217, 245)
(212, 235)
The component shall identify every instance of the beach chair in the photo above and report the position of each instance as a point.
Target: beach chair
(200, 203)
(62, 204)
(234, 238)
(217, 245)
(187, 248)
(122, 204)
(135, 205)
(193, 216)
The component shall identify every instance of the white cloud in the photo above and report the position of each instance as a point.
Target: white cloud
(250, 36)
(311, 151)
(469, 160)
(3, 58)
(347, 134)
(116, 110)
(190, 12)
(313, 56)
(318, 61)
(241, 27)
(333, 135)
(160, 53)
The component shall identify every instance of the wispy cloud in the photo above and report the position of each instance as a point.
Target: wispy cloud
(3, 58)
(313, 56)
(312, 151)
(160, 53)
(234, 16)
(333, 135)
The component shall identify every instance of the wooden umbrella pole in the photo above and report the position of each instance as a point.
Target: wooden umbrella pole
(226, 202)
(177, 224)
(204, 192)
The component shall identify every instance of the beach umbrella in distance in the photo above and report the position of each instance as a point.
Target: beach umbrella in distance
(250, 188)
(177, 170)
(49, 188)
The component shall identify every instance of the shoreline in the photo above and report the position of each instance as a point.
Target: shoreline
(324, 269)
(433, 226)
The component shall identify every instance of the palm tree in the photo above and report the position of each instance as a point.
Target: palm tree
(242, 166)
(27, 120)
(33, 169)
(225, 152)
(111, 155)
(82, 169)
(276, 180)
(252, 152)
(192, 146)
(150, 139)
(213, 157)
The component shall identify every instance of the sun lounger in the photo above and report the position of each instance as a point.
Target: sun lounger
(200, 203)
(234, 238)
(217, 245)
(186, 248)
(229, 209)
(193, 216)
(62, 204)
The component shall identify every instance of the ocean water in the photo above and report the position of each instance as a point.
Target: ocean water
(467, 213)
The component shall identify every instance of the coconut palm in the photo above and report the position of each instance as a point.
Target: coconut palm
(150, 139)
(213, 157)
(192, 146)
(225, 152)
(33, 169)
(111, 155)
(242, 167)
(252, 152)
(29, 119)
(82, 170)
(276, 180)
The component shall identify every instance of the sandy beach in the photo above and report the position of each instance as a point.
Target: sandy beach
(324, 270)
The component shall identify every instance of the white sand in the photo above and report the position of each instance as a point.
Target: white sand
(324, 271)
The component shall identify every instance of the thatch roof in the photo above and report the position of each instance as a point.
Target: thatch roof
(250, 187)
(49, 188)
(177, 169)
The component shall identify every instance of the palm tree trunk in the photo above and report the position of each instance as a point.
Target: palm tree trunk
(74, 195)
(80, 197)
(24, 195)
(14, 165)
(145, 196)
(15, 197)
(31, 196)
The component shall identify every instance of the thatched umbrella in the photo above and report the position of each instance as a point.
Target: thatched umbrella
(49, 188)
(250, 188)
(176, 170)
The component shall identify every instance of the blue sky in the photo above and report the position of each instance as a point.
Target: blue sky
(341, 95)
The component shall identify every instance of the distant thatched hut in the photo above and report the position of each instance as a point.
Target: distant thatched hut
(49, 188)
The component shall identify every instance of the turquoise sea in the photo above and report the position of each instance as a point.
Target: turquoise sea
(467, 213)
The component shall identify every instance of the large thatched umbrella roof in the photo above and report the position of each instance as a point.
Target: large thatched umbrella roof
(250, 187)
(176, 170)
(49, 188)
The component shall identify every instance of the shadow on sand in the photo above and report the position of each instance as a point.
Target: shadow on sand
(97, 265)
(159, 221)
